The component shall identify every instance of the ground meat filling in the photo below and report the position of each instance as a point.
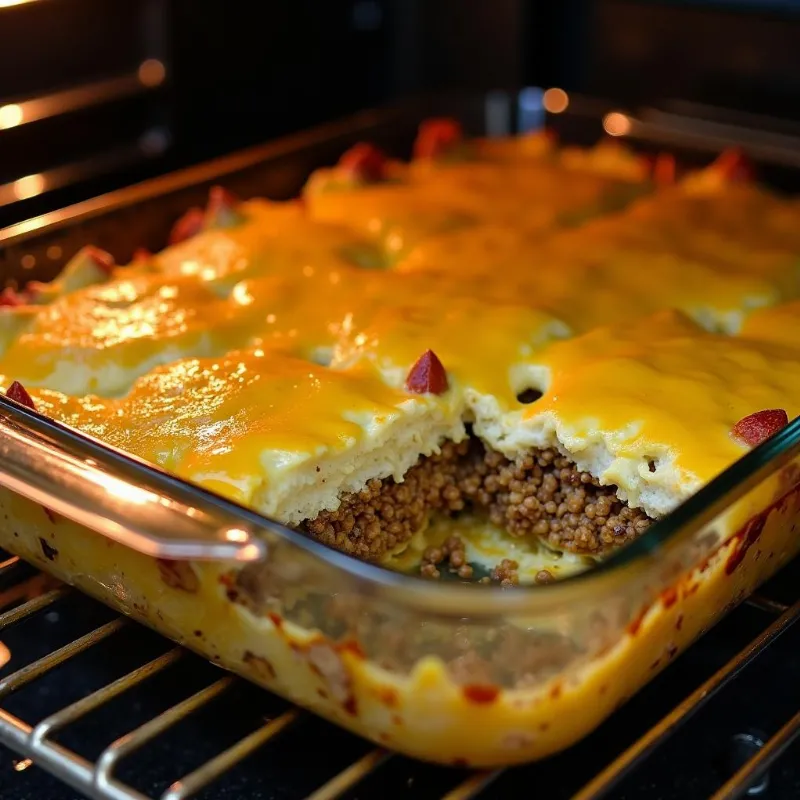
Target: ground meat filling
(545, 494)
(450, 555)
(386, 514)
(542, 494)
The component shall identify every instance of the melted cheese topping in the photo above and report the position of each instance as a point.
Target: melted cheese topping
(265, 428)
(267, 360)
(101, 338)
(273, 238)
(649, 407)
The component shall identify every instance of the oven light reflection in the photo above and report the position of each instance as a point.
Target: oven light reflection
(250, 552)
(236, 535)
(29, 186)
(616, 124)
(241, 295)
(11, 115)
(555, 100)
(126, 492)
(20, 766)
(151, 72)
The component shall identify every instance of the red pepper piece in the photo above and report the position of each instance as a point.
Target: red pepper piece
(437, 137)
(428, 375)
(364, 162)
(735, 166)
(756, 428)
(221, 201)
(222, 209)
(103, 260)
(11, 298)
(20, 394)
(219, 197)
(190, 224)
(481, 693)
(664, 169)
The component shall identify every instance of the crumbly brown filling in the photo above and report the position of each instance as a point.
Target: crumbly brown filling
(542, 494)
(546, 495)
(387, 514)
(451, 554)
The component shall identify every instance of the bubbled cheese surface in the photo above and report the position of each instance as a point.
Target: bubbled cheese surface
(267, 360)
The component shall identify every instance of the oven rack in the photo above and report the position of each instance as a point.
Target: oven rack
(27, 596)
(145, 77)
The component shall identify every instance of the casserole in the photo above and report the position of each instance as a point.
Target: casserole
(467, 675)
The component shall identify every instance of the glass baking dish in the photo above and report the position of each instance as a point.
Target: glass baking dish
(458, 674)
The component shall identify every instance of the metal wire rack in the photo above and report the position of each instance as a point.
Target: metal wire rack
(278, 733)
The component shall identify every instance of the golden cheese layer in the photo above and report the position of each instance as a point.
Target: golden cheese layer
(650, 406)
(267, 359)
(265, 428)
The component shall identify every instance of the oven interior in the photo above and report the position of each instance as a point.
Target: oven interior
(92, 704)
(143, 87)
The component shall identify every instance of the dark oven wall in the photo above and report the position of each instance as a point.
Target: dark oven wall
(95, 95)
(248, 71)
(731, 53)
(82, 92)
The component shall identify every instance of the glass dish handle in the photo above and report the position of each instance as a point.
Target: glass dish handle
(119, 496)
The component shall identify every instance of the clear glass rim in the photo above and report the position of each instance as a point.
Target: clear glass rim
(447, 598)
(690, 517)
